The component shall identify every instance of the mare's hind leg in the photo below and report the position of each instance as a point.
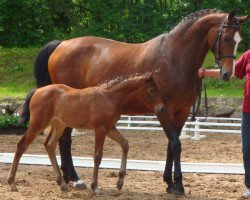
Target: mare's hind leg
(22, 146)
(116, 136)
(50, 146)
(100, 134)
(67, 167)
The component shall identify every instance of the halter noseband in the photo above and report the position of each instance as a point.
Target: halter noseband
(219, 55)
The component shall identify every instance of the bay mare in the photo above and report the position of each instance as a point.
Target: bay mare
(86, 61)
(97, 108)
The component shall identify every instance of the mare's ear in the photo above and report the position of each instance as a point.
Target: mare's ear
(243, 18)
(231, 16)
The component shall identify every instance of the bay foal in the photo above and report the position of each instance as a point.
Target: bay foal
(97, 108)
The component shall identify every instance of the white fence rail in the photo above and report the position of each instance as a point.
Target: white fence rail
(211, 125)
(146, 165)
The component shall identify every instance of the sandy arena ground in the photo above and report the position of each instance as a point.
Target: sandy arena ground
(38, 182)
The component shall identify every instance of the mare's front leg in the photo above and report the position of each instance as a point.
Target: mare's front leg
(116, 136)
(167, 176)
(172, 125)
(67, 167)
(100, 134)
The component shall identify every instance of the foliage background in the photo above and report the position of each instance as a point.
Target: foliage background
(35, 22)
(26, 25)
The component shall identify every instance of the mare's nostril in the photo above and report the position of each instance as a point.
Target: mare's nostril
(226, 76)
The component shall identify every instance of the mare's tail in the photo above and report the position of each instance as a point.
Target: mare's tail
(25, 115)
(41, 71)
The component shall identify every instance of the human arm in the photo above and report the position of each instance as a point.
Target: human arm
(240, 66)
(214, 73)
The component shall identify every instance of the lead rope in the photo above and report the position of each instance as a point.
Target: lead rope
(195, 108)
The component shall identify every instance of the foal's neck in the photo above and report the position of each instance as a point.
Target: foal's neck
(124, 91)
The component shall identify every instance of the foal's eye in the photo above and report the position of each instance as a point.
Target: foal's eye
(150, 90)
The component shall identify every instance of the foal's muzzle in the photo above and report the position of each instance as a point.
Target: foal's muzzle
(159, 108)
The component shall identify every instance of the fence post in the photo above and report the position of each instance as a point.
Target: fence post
(197, 135)
(184, 135)
(129, 119)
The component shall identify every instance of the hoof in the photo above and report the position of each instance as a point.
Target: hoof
(169, 190)
(64, 187)
(119, 184)
(176, 190)
(13, 188)
(79, 185)
(97, 191)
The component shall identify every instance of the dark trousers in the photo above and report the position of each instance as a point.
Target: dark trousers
(245, 130)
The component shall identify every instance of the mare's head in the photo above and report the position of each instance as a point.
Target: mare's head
(138, 88)
(224, 40)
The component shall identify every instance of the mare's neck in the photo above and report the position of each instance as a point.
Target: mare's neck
(188, 43)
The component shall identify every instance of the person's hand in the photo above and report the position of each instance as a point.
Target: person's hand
(201, 72)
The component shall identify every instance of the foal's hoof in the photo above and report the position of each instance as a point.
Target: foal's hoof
(80, 185)
(96, 191)
(119, 184)
(64, 187)
(13, 188)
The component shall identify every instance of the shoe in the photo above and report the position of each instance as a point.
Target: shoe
(247, 193)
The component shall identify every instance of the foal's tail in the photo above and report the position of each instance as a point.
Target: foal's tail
(25, 115)
(41, 71)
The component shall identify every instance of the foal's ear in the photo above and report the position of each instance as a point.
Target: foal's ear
(153, 73)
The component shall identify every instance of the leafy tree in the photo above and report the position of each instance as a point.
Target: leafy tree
(35, 22)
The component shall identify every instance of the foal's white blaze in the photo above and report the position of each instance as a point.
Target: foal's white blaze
(237, 39)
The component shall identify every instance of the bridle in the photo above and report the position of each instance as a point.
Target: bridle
(217, 42)
(218, 61)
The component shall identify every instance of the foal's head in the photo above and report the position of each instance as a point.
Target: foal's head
(150, 92)
(141, 88)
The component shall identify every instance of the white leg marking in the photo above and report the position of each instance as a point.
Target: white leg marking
(80, 184)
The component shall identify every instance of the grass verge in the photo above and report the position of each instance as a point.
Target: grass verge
(16, 75)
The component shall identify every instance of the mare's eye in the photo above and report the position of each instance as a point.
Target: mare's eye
(226, 38)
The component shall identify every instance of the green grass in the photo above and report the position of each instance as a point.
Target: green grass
(225, 92)
(16, 75)
(16, 71)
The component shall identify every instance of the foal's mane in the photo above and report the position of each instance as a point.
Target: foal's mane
(120, 80)
(197, 15)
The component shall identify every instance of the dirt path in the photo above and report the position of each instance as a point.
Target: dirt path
(37, 182)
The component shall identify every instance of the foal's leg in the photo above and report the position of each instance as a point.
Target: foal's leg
(116, 136)
(50, 146)
(22, 146)
(100, 134)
